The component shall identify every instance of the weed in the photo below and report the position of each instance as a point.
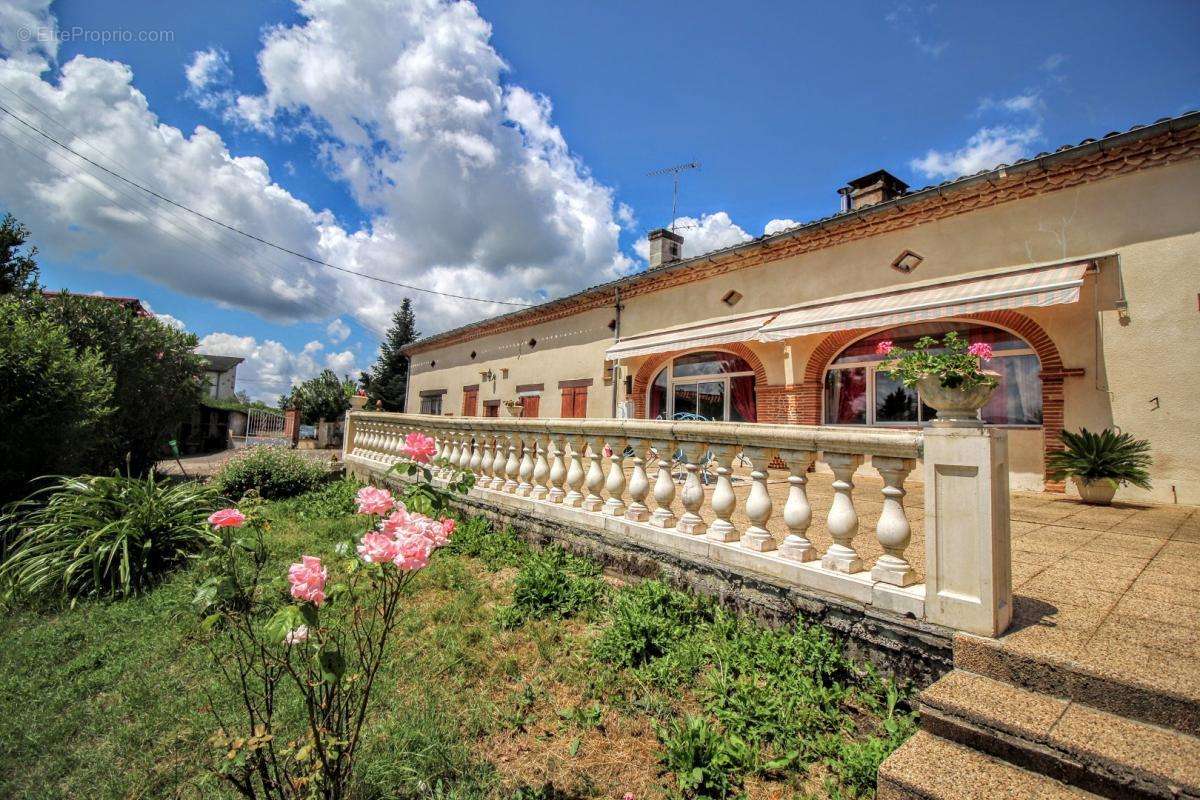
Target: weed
(707, 764)
(552, 583)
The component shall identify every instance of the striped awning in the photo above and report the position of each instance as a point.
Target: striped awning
(1038, 286)
(722, 330)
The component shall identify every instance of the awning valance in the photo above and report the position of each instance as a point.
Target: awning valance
(1039, 286)
(722, 330)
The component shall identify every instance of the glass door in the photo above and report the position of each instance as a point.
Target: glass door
(702, 398)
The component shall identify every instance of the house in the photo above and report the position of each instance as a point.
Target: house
(1081, 267)
(131, 303)
(220, 372)
(220, 416)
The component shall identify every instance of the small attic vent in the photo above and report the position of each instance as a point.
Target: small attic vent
(907, 261)
(731, 298)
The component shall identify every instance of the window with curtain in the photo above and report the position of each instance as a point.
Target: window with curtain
(858, 393)
(711, 385)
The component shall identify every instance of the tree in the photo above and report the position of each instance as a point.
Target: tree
(18, 271)
(54, 400)
(387, 382)
(325, 397)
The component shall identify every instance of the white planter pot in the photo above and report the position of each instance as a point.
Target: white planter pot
(1096, 493)
(957, 408)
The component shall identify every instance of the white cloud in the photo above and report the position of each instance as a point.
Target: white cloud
(167, 319)
(270, 368)
(1052, 62)
(25, 28)
(986, 149)
(1029, 101)
(710, 232)
(468, 185)
(778, 225)
(208, 76)
(916, 25)
(337, 331)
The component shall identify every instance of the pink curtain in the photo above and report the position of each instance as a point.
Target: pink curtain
(741, 397)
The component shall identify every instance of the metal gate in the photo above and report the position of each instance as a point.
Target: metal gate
(264, 426)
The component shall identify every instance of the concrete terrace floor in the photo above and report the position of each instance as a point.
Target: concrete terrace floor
(1115, 589)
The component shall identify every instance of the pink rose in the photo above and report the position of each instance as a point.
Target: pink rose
(412, 551)
(628, 796)
(227, 518)
(419, 447)
(397, 521)
(448, 526)
(374, 501)
(297, 635)
(884, 347)
(981, 350)
(377, 548)
(308, 580)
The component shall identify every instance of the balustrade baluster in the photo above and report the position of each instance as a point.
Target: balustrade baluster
(558, 471)
(797, 513)
(692, 496)
(758, 502)
(664, 485)
(595, 475)
(512, 467)
(464, 458)
(893, 531)
(541, 469)
(475, 464)
(485, 463)
(575, 473)
(525, 470)
(614, 506)
(639, 483)
(723, 501)
(843, 519)
(498, 463)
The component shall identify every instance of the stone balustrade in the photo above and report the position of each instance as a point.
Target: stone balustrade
(575, 471)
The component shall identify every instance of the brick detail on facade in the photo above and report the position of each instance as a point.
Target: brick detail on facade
(651, 366)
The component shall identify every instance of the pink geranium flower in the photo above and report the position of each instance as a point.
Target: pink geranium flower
(419, 447)
(374, 501)
(308, 580)
(412, 551)
(377, 548)
(227, 518)
(981, 350)
(884, 347)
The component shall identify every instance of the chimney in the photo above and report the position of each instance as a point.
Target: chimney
(665, 247)
(868, 190)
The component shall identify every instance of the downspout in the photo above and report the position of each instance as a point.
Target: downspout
(616, 338)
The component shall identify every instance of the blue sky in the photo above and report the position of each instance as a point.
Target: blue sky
(501, 150)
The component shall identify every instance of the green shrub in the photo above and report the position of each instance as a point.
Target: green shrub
(552, 583)
(332, 500)
(97, 536)
(496, 549)
(707, 764)
(274, 472)
(648, 621)
(1108, 455)
(53, 399)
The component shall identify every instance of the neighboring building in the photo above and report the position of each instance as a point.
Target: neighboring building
(131, 303)
(1081, 267)
(220, 373)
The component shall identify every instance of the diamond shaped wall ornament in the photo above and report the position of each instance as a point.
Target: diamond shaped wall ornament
(907, 261)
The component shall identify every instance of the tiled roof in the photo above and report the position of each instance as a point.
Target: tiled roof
(1065, 152)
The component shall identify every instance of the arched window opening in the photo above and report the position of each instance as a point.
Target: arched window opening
(708, 385)
(858, 393)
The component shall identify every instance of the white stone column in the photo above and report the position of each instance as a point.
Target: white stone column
(525, 468)
(893, 531)
(614, 506)
(575, 473)
(485, 462)
(558, 471)
(843, 519)
(443, 456)
(639, 484)
(664, 486)
(512, 467)
(723, 500)
(595, 475)
(541, 469)
(758, 502)
(464, 457)
(473, 466)
(968, 567)
(499, 460)
(797, 513)
(692, 496)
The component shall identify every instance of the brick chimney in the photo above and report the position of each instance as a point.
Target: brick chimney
(665, 247)
(868, 190)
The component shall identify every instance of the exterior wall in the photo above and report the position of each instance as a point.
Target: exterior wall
(221, 385)
(1136, 371)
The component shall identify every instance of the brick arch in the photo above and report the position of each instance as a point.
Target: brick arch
(1052, 372)
(650, 368)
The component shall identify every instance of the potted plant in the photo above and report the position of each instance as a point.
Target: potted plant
(948, 374)
(1100, 462)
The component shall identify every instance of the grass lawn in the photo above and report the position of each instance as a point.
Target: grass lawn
(517, 675)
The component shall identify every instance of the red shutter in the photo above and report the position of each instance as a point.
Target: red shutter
(529, 406)
(580, 405)
(568, 402)
(470, 402)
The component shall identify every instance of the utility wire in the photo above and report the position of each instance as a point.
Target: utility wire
(246, 234)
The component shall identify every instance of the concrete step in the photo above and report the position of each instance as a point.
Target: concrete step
(1108, 755)
(927, 767)
(1142, 695)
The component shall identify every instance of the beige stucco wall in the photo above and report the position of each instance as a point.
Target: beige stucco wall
(1148, 223)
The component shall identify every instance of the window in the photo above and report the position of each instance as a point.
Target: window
(711, 385)
(470, 405)
(491, 408)
(574, 398)
(857, 393)
(431, 404)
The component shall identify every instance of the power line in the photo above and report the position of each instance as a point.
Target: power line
(248, 235)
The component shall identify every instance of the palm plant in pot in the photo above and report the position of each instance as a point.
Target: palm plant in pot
(1100, 462)
(949, 375)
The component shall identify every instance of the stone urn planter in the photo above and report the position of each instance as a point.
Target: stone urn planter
(1096, 493)
(957, 408)
(358, 402)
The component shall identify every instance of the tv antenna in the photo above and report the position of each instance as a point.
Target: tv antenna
(674, 173)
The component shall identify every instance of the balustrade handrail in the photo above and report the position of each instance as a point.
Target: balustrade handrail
(880, 442)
